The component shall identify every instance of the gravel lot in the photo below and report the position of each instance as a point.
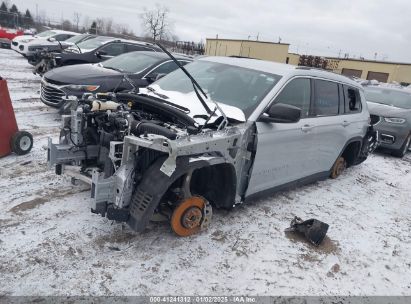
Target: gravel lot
(50, 243)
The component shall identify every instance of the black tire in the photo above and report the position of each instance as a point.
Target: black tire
(404, 148)
(21, 142)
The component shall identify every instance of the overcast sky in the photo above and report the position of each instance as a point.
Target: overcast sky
(323, 27)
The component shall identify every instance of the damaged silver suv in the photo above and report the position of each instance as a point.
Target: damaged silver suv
(216, 133)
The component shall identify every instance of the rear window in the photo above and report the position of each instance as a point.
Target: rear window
(352, 99)
(326, 98)
(131, 62)
(46, 34)
(94, 43)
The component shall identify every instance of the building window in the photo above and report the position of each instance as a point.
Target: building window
(381, 77)
(351, 73)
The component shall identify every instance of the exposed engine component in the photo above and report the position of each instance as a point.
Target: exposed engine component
(139, 155)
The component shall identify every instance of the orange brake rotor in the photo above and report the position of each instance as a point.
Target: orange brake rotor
(338, 167)
(188, 216)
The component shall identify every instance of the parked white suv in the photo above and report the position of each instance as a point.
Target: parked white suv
(21, 44)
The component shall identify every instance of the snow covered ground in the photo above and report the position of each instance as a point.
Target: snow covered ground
(51, 244)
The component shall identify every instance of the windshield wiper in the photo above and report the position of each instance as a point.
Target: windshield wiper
(197, 89)
(112, 68)
(163, 99)
(156, 93)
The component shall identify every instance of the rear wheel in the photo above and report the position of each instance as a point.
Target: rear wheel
(338, 168)
(21, 142)
(404, 148)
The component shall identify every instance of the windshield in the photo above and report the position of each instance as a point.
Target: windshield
(231, 85)
(46, 34)
(94, 43)
(75, 39)
(388, 97)
(131, 62)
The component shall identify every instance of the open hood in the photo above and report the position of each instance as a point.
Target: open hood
(191, 102)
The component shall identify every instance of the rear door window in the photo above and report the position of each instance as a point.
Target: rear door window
(297, 93)
(326, 98)
(352, 99)
(135, 47)
(62, 37)
(113, 49)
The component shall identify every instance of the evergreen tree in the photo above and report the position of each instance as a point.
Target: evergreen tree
(28, 19)
(4, 16)
(14, 16)
(93, 28)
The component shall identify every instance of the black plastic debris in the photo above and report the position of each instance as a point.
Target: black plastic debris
(313, 230)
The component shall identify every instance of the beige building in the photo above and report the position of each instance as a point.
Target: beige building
(367, 69)
(248, 48)
(383, 71)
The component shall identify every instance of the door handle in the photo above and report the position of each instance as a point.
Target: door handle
(306, 128)
(345, 123)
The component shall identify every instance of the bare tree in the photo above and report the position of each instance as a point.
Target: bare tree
(156, 22)
(100, 22)
(66, 25)
(76, 19)
(86, 23)
(108, 25)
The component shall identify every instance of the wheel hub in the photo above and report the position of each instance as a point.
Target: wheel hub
(25, 143)
(192, 218)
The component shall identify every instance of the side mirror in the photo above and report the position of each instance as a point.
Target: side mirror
(52, 39)
(100, 53)
(281, 113)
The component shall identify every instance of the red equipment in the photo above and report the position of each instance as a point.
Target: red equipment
(10, 34)
(11, 139)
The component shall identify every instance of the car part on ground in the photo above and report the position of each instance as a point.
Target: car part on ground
(120, 74)
(313, 230)
(160, 153)
(93, 50)
(11, 139)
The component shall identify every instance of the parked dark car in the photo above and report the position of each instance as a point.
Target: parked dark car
(93, 51)
(140, 68)
(40, 51)
(393, 106)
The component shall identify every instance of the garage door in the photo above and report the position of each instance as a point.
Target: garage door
(381, 77)
(351, 73)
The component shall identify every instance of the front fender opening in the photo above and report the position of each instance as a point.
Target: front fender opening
(216, 183)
